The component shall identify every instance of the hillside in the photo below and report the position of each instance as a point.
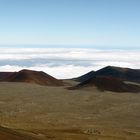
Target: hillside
(29, 76)
(107, 83)
(4, 75)
(125, 74)
(84, 77)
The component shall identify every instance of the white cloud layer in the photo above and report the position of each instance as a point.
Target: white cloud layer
(66, 62)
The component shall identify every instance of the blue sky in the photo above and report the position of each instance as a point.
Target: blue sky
(114, 23)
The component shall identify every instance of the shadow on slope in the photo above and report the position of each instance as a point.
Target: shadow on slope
(125, 74)
(107, 83)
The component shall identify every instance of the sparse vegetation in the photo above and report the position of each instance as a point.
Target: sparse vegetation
(55, 113)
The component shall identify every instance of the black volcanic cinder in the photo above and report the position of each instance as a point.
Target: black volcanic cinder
(111, 78)
(125, 74)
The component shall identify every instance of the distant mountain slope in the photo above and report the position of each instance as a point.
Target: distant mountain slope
(29, 76)
(125, 74)
(105, 83)
(85, 76)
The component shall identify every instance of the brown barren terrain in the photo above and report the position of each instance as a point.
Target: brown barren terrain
(55, 113)
(37, 106)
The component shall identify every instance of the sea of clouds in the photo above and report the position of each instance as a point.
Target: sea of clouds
(66, 62)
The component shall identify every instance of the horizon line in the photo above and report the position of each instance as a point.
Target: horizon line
(70, 45)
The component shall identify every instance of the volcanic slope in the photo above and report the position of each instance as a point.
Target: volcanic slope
(125, 74)
(30, 76)
(84, 77)
(107, 83)
(4, 75)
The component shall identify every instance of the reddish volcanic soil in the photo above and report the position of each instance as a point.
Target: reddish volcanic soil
(29, 76)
